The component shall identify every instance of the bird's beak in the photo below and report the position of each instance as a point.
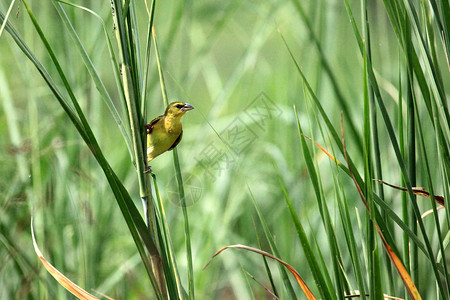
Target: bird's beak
(187, 107)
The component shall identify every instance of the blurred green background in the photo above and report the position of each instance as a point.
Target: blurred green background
(229, 61)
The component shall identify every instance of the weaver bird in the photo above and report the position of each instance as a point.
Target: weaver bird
(165, 132)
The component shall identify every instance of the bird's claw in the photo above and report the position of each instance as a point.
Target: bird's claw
(149, 127)
(148, 169)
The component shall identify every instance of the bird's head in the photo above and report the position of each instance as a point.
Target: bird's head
(177, 109)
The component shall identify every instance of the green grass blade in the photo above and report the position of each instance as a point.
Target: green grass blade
(425, 161)
(6, 17)
(93, 72)
(147, 59)
(266, 265)
(179, 178)
(395, 146)
(167, 243)
(326, 65)
(323, 209)
(131, 215)
(309, 253)
(273, 247)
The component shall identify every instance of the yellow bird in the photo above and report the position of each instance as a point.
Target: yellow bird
(165, 132)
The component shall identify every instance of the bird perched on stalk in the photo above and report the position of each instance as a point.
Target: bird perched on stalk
(165, 132)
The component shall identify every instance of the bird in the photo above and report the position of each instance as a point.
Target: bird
(164, 133)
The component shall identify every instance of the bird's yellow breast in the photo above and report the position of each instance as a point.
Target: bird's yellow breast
(163, 135)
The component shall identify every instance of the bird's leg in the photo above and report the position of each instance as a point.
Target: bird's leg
(148, 168)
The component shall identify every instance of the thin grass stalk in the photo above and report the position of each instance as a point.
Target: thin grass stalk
(374, 148)
(324, 212)
(440, 139)
(442, 17)
(7, 17)
(372, 247)
(186, 224)
(131, 100)
(309, 253)
(168, 241)
(424, 159)
(339, 143)
(350, 238)
(135, 47)
(266, 265)
(345, 218)
(92, 71)
(433, 78)
(411, 158)
(339, 95)
(125, 40)
(273, 246)
(403, 168)
(179, 178)
(324, 265)
(147, 59)
(405, 207)
(171, 283)
(444, 163)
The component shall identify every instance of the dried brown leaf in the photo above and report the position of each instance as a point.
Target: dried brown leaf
(304, 287)
(420, 191)
(63, 280)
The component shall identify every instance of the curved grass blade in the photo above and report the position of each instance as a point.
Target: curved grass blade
(301, 282)
(63, 280)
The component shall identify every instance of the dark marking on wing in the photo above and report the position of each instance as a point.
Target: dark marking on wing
(177, 141)
(150, 125)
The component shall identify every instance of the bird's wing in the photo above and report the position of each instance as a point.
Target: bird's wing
(177, 141)
(150, 125)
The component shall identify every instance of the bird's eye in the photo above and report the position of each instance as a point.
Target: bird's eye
(179, 106)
